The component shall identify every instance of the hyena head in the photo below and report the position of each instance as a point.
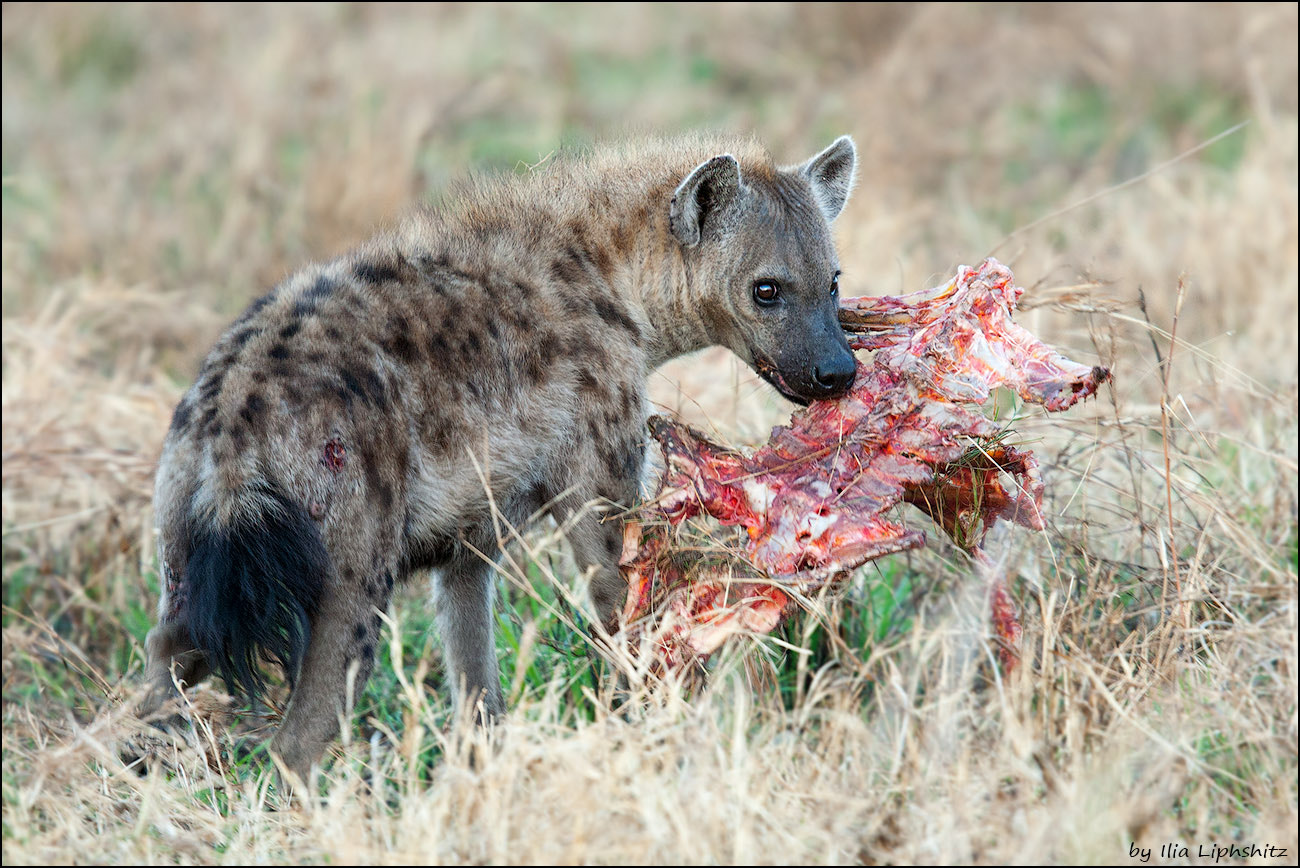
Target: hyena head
(763, 268)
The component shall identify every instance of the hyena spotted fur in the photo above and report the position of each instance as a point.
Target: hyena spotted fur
(340, 434)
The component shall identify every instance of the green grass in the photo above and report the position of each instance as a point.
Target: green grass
(104, 57)
(1070, 133)
(540, 654)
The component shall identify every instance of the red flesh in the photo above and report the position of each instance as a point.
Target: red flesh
(811, 498)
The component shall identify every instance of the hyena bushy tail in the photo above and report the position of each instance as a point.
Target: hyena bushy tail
(254, 586)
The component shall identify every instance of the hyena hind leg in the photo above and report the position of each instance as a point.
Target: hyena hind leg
(337, 665)
(171, 658)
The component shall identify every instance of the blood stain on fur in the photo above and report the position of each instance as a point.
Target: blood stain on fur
(334, 455)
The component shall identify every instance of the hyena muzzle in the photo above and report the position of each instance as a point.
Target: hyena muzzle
(347, 431)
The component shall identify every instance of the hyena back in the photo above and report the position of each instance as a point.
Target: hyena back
(346, 431)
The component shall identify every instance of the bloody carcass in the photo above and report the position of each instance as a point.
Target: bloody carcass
(812, 499)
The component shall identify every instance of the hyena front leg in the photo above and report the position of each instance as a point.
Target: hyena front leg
(463, 591)
(597, 541)
(339, 659)
(595, 531)
(596, 535)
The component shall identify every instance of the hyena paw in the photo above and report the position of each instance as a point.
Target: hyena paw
(158, 744)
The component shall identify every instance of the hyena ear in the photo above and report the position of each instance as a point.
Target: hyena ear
(831, 174)
(711, 189)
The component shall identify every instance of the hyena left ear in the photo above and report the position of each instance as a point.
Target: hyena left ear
(831, 174)
(704, 197)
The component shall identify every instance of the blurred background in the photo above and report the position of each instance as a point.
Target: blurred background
(187, 157)
(163, 165)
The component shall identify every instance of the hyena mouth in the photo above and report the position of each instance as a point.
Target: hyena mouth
(768, 372)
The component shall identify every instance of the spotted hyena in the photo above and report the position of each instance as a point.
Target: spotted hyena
(344, 432)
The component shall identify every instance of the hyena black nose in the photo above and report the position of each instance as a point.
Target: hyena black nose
(833, 378)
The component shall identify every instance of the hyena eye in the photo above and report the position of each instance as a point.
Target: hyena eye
(766, 292)
(835, 284)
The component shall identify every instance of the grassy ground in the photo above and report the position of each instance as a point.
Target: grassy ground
(162, 166)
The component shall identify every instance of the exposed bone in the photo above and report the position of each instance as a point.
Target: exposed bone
(811, 499)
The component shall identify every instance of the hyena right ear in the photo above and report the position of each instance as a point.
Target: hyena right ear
(712, 188)
(831, 174)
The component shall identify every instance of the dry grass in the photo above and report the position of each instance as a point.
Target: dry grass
(163, 165)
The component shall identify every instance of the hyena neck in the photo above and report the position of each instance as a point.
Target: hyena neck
(623, 198)
(676, 303)
(608, 214)
(659, 281)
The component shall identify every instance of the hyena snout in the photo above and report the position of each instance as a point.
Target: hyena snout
(833, 376)
(816, 363)
(807, 377)
(829, 373)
